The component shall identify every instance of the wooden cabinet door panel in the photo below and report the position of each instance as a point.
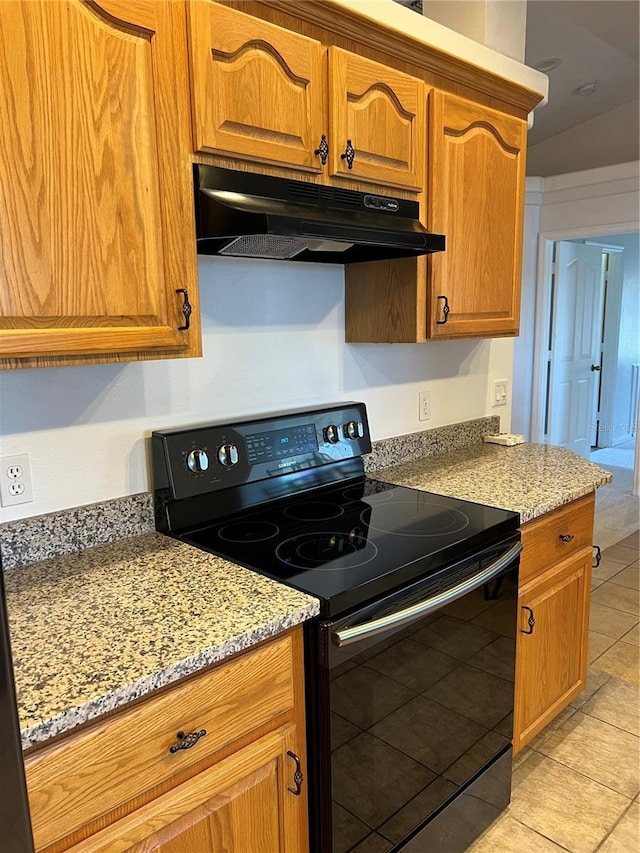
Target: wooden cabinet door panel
(551, 661)
(241, 804)
(476, 181)
(228, 703)
(257, 89)
(87, 251)
(382, 112)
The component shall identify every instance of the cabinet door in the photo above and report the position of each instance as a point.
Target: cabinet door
(476, 198)
(96, 222)
(257, 89)
(377, 118)
(551, 653)
(241, 804)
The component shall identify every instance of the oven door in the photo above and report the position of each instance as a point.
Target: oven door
(413, 710)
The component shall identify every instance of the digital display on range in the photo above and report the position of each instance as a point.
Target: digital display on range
(281, 443)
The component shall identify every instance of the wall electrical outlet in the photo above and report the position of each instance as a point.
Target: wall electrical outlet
(424, 405)
(15, 480)
(499, 392)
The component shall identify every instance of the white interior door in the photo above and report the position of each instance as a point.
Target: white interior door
(575, 345)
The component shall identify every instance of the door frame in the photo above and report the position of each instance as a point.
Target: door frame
(546, 240)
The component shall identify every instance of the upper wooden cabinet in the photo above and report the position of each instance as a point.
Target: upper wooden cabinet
(268, 95)
(476, 198)
(257, 89)
(96, 225)
(377, 121)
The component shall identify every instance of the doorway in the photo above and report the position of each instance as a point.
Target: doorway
(587, 353)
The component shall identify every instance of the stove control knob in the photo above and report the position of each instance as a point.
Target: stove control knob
(197, 461)
(354, 430)
(331, 434)
(228, 455)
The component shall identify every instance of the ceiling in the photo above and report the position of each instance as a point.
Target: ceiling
(597, 41)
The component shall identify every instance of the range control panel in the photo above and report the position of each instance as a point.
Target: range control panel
(201, 459)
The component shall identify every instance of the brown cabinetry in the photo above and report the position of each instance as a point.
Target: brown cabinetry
(96, 222)
(118, 785)
(377, 122)
(257, 89)
(553, 604)
(264, 94)
(475, 197)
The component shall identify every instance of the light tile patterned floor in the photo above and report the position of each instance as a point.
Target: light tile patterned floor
(576, 786)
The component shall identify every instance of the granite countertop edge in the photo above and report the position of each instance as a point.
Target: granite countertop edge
(493, 475)
(41, 733)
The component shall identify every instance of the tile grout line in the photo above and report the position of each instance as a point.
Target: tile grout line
(584, 775)
(541, 834)
(610, 832)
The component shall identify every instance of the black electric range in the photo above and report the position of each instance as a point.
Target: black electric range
(286, 495)
(349, 545)
(417, 618)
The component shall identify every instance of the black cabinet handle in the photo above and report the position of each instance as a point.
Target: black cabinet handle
(323, 150)
(186, 309)
(298, 778)
(445, 310)
(597, 556)
(566, 537)
(595, 367)
(186, 741)
(531, 621)
(349, 154)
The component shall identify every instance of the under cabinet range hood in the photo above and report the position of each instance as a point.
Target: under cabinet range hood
(242, 214)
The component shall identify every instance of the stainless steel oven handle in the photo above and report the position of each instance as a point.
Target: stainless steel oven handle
(393, 620)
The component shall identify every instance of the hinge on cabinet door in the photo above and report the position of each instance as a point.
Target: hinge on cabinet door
(597, 556)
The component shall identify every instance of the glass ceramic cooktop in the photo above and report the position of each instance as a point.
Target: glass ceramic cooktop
(366, 536)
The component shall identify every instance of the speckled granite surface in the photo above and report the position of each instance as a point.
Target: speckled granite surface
(92, 631)
(70, 530)
(417, 445)
(529, 478)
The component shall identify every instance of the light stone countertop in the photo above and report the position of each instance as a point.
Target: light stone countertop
(92, 631)
(528, 478)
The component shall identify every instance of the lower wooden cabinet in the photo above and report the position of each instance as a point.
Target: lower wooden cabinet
(206, 765)
(239, 805)
(552, 643)
(553, 605)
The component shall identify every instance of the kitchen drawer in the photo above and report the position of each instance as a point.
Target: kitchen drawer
(93, 772)
(555, 536)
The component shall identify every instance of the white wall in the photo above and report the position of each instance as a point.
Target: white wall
(523, 348)
(629, 335)
(273, 337)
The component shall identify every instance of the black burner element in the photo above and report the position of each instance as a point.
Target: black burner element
(327, 551)
(422, 517)
(248, 531)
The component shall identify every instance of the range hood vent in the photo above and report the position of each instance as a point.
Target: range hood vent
(241, 214)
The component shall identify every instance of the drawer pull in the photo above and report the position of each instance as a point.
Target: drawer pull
(531, 621)
(186, 741)
(298, 778)
(566, 537)
(597, 556)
